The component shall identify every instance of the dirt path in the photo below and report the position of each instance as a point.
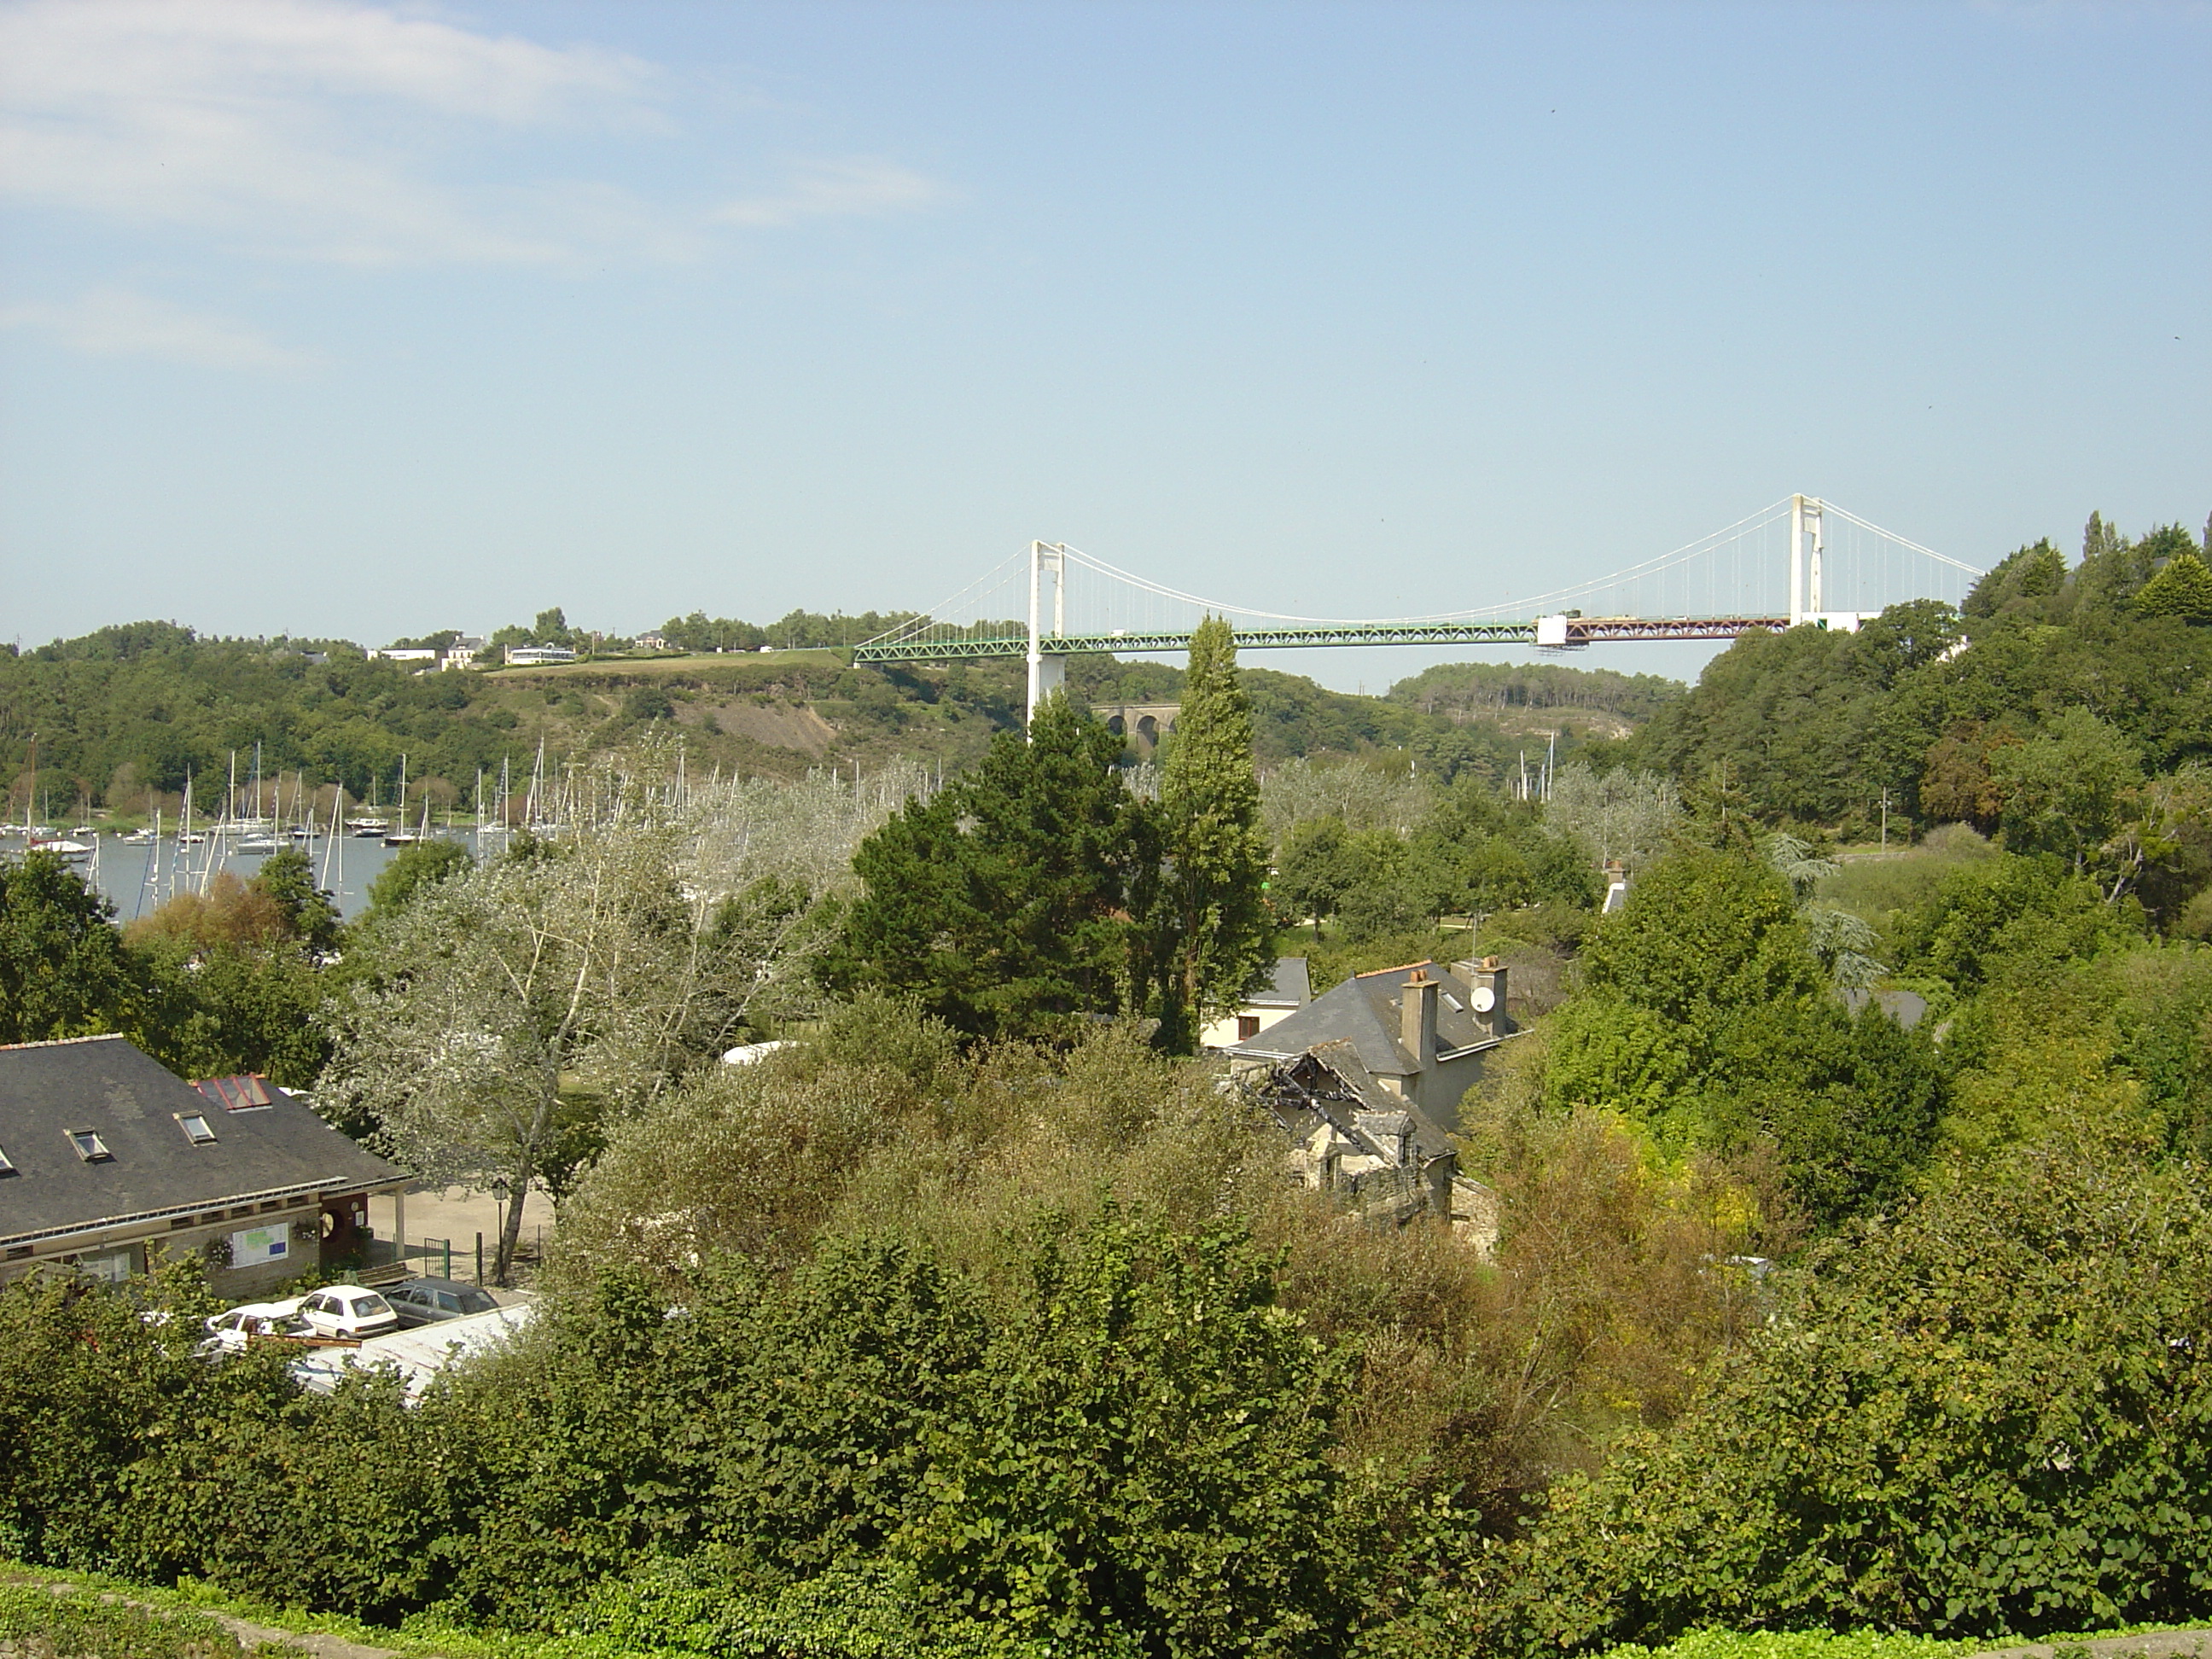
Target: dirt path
(248, 1632)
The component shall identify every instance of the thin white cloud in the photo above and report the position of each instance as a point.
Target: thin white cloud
(115, 322)
(331, 131)
(836, 189)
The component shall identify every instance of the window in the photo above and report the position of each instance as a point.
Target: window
(6, 1167)
(236, 1094)
(197, 1128)
(89, 1146)
(178, 1221)
(1247, 1025)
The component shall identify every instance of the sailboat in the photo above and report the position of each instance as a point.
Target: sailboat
(369, 826)
(400, 834)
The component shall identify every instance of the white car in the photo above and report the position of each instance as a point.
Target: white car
(348, 1312)
(230, 1332)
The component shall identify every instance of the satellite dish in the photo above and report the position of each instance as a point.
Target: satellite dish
(1484, 999)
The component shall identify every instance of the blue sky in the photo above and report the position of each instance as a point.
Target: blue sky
(333, 318)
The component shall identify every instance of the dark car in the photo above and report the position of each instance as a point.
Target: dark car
(427, 1301)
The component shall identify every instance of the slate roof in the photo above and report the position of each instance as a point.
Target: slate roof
(1362, 1011)
(132, 1102)
(1291, 986)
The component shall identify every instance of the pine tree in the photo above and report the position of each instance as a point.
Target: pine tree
(1003, 905)
(2183, 588)
(1214, 937)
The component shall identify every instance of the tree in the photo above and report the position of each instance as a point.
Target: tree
(498, 997)
(2063, 788)
(1002, 905)
(63, 969)
(1214, 936)
(412, 870)
(310, 918)
(2182, 589)
(1314, 872)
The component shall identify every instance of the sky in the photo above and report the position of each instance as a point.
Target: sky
(335, 319)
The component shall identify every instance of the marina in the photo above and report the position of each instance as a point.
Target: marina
(139, 873)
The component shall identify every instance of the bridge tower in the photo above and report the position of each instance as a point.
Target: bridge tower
(1047, 673)
(1805, 517)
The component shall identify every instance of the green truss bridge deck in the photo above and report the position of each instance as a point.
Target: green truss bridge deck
(1579, 631)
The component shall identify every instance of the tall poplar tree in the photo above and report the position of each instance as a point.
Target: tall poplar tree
(1214, 937)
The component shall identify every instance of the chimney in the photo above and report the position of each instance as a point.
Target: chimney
(1417, 1018)
(1486, 980)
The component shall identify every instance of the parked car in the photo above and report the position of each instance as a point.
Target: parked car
(230, 1331)
(427, 1301)
(349, 1312)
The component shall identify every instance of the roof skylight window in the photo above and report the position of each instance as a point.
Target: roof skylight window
(197, 1128)
(6, 1166)
(89, 1146)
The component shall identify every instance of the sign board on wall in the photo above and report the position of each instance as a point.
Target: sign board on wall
(257, 1245)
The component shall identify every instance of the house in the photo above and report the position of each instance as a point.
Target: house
(405, 654)
(1354, 1137)
(1289, 989)
(518, 656)
(109, 1161)
(462, 653)
(651, 642)
(1423, 1033)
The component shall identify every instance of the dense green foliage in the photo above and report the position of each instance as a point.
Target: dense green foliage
(1989, 1415)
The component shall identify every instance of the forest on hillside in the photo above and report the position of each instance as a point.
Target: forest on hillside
(123, 717)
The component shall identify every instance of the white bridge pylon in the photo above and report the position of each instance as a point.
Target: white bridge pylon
(1801, 559)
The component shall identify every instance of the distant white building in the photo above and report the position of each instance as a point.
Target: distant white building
(404, 653)
(651, 642)
(523, 655)
(462, 653)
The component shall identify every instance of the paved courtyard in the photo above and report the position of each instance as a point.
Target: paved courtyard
(452, 1215)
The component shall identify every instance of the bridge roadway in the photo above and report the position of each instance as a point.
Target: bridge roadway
(1577, 631)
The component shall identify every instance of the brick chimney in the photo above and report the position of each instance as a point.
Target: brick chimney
(1486, 980)
(1417, 1018)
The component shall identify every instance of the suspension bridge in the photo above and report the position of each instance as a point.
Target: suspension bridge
(1800, 560)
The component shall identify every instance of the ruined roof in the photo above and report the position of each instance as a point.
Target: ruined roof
(146, 1160)
(1328, 1083)
(1364, 1011)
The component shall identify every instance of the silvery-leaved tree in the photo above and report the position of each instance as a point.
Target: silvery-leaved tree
(509, 1011)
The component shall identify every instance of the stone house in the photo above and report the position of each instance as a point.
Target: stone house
(1421, 1032)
